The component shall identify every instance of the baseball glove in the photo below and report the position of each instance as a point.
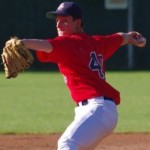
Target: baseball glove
(15, 57)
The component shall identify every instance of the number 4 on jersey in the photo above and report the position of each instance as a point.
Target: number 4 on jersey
(96, 64)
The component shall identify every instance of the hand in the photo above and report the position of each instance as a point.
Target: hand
(136, 39)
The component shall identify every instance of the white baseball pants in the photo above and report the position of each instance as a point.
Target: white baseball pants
(91, 124)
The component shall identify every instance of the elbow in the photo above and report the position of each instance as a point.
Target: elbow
(47, 47)
(125, 38)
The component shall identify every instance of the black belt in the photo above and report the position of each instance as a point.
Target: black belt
(85, 102)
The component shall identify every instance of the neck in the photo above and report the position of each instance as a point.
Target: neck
(79, 30)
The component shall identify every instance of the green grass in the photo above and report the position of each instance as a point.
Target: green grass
(39, 102)
(34, 103)
(134, 110)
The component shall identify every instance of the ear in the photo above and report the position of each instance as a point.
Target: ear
(78, 22)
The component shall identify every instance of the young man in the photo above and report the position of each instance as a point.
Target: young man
(80, 58)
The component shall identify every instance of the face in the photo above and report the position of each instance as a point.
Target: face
(66, 25)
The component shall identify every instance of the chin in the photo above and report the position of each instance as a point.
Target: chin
(62, 33)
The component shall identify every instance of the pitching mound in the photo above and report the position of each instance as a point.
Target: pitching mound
(48, 142)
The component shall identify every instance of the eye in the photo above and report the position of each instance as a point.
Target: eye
(62, 20)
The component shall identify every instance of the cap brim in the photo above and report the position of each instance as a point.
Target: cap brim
(51, 15)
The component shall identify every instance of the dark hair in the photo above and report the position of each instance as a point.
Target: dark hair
(74, 18)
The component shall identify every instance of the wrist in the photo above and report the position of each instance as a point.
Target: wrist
(125, 38)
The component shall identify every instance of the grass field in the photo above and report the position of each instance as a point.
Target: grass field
(39, 102)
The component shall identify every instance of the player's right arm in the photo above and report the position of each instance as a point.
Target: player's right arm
(37, 44)
(134, 38)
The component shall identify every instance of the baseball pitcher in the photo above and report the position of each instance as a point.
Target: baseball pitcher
(81, 60)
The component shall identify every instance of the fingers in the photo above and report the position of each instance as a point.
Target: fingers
(137, 39)
(141, 42)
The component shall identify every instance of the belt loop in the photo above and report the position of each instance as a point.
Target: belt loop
(83, 102)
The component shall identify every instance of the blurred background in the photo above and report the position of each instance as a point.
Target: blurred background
(26, 19)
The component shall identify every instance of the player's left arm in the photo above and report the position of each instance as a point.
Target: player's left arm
(134, 38)
(38, 44)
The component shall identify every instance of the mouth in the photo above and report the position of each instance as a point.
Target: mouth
(61, 32)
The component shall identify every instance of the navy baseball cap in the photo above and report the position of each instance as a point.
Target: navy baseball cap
(66, 9)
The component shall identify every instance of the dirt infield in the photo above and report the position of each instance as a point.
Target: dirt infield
(48, 142)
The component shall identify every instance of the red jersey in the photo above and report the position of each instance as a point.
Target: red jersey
(80, 59)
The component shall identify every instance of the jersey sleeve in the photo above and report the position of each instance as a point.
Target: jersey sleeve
(109, 44)
(59, 52)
